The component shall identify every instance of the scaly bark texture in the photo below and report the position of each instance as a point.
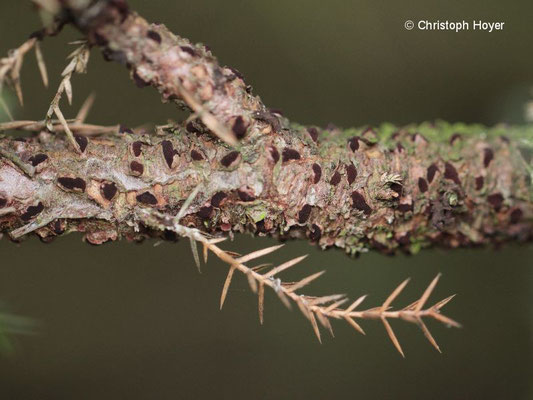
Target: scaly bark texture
(383, 187)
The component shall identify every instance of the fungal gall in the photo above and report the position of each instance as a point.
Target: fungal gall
(274, 153)
(82, 142)
(239, 127)
(108, 190)
(189, 50)
(205, 212)
(451, 173)
(317, 171)
(359, 202)
(405, 207)
(496, 200)
(156, 37)
(313, 132)
(218, 198)
(354, 143)
(432, 170)
(168, 152)
(136, 168)
(479, 182)
(32, 211)
(289, 154)
(303, 214)
(229, 158)
(396, 187)
(422, 185)
(146, 198)
(196, 155)
(75, 184)
(488, 156)
(351, 173)
(335, 179)
(136, 148)
(38, 159)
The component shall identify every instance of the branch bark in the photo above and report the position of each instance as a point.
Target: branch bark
(354, 189)
(385, 188)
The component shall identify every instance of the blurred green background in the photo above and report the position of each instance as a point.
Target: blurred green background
(138, 321)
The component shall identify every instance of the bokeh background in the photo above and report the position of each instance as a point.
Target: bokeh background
(138, 321)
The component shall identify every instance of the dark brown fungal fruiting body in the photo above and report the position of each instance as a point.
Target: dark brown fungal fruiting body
(351, 173)
(137, 168)
(335, 179)
(290, 154)
(451, 173)
(313, 133)
(422, 185)
(147, 198)
(479, 182)
(82, 142)
(168, 152)
(218, 198)
(109, 190)
(317, 171)
(156, 37)
(38, 159)
(196, 155)
(75, 184)
(239, 128)
(31, 212)
(229, 159)
(360, 203)
(136, 148)
(432, 170)
(304, 213)
(205, 212)
(354, 143)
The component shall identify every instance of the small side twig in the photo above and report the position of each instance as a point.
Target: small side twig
(321, 309)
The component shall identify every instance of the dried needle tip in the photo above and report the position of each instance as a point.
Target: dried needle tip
(41, 64)
(194, 249)
(227, 282)
(85, 108)
(392, 336)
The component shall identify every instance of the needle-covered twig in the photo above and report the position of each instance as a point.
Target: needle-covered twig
(323, 308)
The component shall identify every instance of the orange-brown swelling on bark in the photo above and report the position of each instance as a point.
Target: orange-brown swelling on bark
(381, 205)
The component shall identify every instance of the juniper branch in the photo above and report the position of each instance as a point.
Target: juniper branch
(235, 166)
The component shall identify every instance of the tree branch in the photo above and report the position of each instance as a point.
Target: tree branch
(236, 166)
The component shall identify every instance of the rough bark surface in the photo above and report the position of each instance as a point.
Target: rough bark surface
(380, 188)
(383, 187)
